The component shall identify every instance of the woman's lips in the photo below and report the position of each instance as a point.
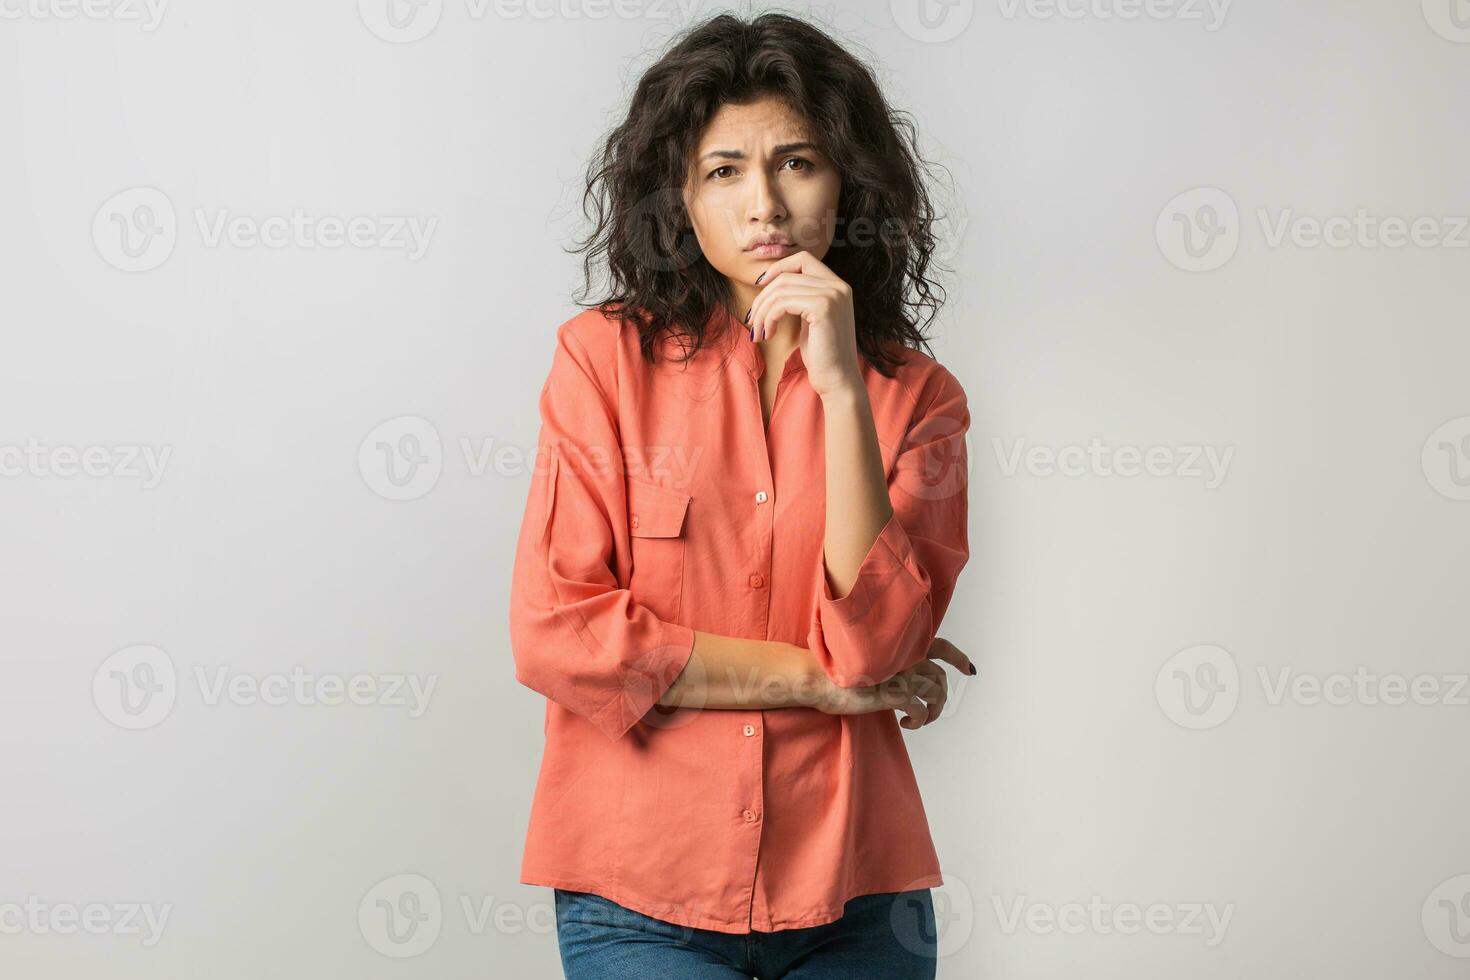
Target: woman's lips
(772, 251)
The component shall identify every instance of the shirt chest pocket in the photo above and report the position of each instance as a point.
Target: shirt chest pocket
(656, 529)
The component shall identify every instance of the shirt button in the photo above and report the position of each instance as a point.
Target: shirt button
(756, 581)
(750, 816)
(749, 729)
(635, 520)
(760, 497)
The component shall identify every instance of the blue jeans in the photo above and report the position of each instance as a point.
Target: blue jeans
(889, 935)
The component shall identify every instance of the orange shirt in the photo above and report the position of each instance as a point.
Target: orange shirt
(660, 504)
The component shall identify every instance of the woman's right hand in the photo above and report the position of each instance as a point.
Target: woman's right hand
(920, 692)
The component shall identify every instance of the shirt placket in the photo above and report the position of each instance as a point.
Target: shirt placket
(758, 579)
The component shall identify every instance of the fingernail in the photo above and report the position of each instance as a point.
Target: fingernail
(972, 669)
(747, 314)
(760, 277)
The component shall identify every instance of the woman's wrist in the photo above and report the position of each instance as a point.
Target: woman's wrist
(845, 396)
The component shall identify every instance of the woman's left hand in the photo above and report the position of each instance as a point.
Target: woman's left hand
(801, 285)
(920, 691)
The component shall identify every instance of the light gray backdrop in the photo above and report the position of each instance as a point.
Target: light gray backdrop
(280, 282)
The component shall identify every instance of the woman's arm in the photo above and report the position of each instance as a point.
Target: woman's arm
(878, 617)
(858, 504)
(734, 672)
(893, 545)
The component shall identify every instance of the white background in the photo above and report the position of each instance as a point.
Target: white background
(1078, 767)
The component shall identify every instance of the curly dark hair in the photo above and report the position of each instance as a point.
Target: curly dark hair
(884, 243)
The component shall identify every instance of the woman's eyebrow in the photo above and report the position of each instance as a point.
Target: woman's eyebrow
(776, 151)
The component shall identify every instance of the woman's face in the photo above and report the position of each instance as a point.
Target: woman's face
(756, 175)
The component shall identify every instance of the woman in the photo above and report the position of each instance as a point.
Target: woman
(743, 531)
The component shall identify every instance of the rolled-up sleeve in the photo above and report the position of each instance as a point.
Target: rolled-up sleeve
(888, 620)
(576, 637)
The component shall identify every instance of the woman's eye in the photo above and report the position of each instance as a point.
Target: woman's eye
(802, 164)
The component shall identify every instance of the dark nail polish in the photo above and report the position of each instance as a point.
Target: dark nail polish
(759, 278)
(972, 669)
(747, 314)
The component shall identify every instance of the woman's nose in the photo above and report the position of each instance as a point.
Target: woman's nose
(765, 201)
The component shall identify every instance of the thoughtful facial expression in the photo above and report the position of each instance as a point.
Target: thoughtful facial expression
(759, 189)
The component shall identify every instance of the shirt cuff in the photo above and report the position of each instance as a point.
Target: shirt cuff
(869, 634)
(646, 679)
